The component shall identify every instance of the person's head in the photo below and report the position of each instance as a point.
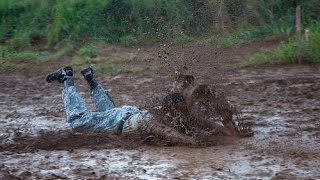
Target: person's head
(182, 81)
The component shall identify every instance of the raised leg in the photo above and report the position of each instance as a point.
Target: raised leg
(102, 99)
(99, 96)
(74, 104)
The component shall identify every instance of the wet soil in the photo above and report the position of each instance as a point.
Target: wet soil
(280, 103)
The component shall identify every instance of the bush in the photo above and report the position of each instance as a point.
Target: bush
(132, 21)
(128, 40)
(313, 46)
(88, 51)
(307, 51)
(290, 52)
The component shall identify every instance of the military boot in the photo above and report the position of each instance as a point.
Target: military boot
(88, 76)
(62, 75)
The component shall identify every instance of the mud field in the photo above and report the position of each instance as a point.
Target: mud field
(280, 103)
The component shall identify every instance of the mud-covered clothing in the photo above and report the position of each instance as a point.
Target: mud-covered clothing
(108, 118)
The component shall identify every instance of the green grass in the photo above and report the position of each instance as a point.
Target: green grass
(183, 39)
(76, 22)
(289, 52)
(7, 67)
(85, 55)
(11, 55)
(134, 21)
(130, 22)
(312, 48)
(128, 40)
(88, 51)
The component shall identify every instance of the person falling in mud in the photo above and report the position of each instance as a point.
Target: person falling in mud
(125, 119)
(195, 104)
(108, 118)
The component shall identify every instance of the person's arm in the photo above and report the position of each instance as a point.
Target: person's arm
(171, 134)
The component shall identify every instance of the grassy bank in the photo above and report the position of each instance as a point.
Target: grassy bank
(46, 29)
(31, 24)
(291, 52)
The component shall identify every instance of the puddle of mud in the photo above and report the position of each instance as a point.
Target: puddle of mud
(219, 162)
(16, 127)
(281, 148)
(90, 163)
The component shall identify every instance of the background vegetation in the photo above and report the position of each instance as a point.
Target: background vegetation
(33, 29)
(290, 52)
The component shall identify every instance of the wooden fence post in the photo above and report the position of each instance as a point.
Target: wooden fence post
(298, 31)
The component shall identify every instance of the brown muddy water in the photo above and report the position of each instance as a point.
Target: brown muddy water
(280, 103)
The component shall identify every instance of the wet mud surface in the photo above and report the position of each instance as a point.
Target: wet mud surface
(280, 103)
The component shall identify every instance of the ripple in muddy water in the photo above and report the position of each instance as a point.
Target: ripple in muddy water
(79, 163)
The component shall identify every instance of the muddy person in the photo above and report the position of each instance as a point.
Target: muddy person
(109, 117)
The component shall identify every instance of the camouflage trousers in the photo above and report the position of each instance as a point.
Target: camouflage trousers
(107, 118)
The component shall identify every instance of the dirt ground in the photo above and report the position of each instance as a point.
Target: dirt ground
(280, 102)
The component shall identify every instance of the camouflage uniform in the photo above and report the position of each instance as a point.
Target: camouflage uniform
(108, 118)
